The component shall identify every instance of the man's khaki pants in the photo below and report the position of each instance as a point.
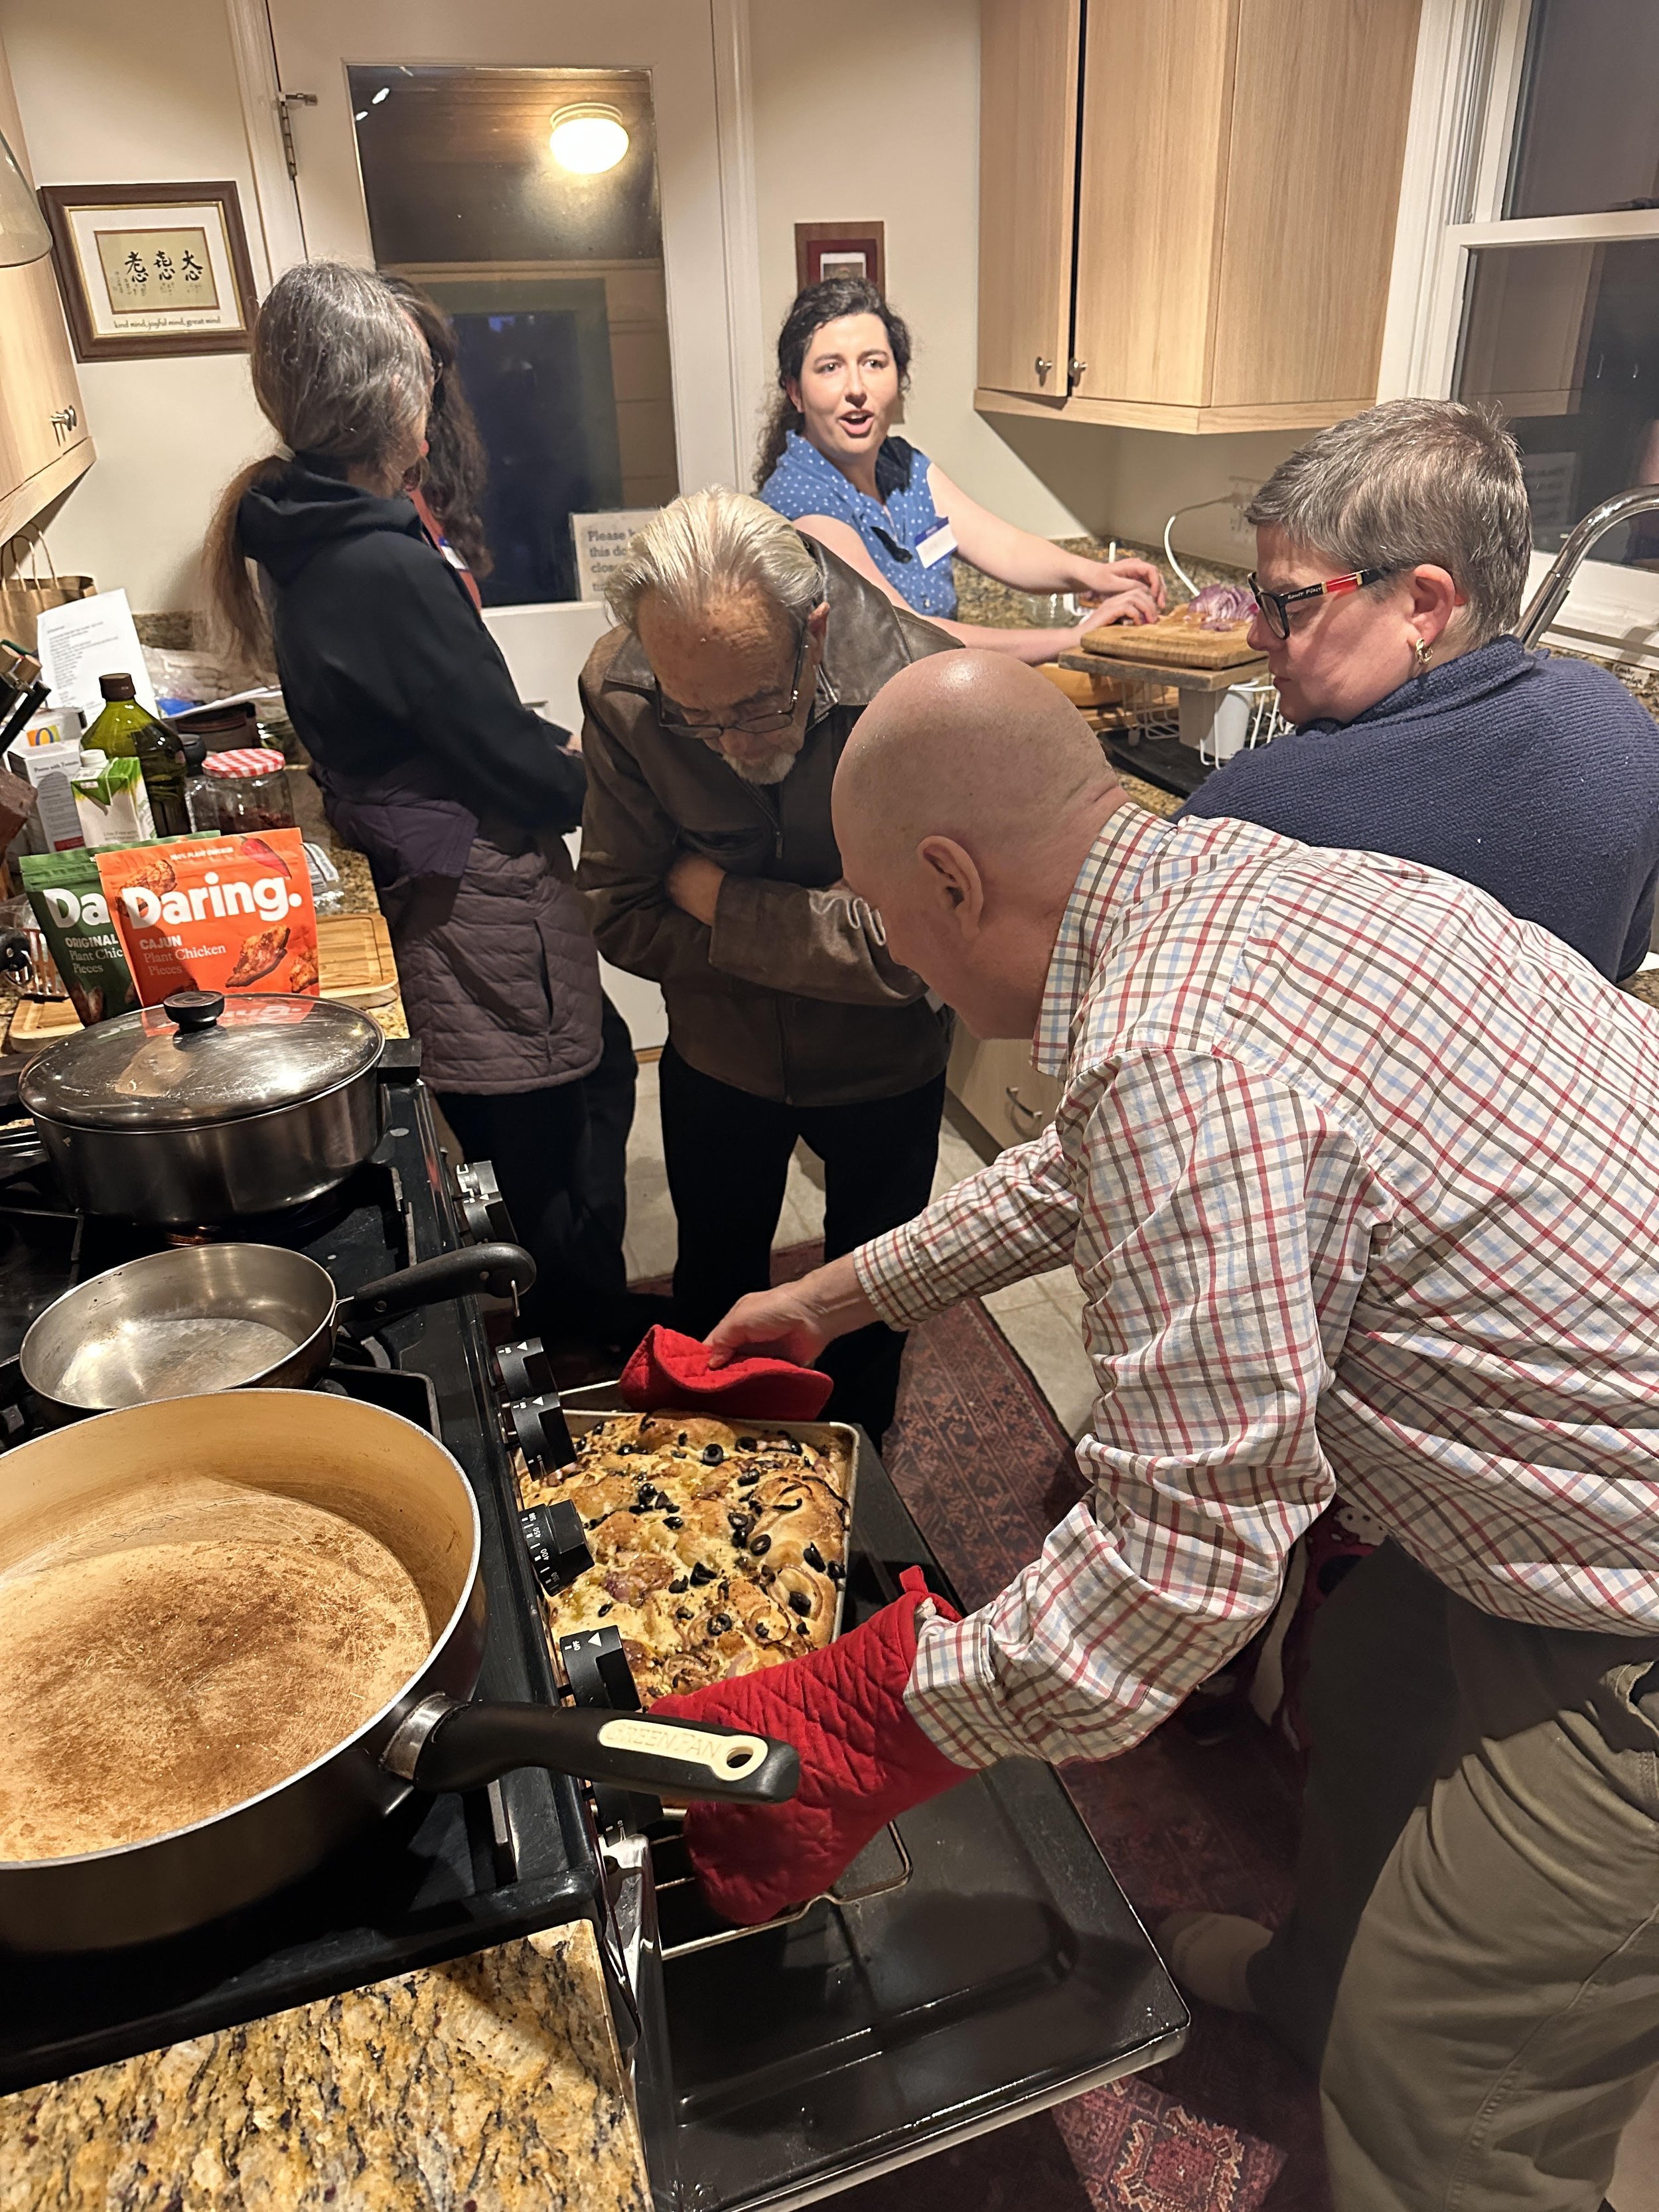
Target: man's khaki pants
(1477, 1916)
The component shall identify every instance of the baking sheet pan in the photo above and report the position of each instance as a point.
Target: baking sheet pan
(884, 1864)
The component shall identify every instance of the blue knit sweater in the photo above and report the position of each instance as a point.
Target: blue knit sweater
(1535, 779)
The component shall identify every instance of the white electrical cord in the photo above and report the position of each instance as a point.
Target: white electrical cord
(1226, 499)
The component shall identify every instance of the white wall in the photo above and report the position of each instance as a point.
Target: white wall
(873, 110)
(138, 92)
(1125, 483)
(873, 113)
(870, 111)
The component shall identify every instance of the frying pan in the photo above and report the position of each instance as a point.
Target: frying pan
(76, 1487)
(223, 1317)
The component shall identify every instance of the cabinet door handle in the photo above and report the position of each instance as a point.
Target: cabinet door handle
(62, 419)
(1043, 366)
(1017, 1105)
(1076, 371)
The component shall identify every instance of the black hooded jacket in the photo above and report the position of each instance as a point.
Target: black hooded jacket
(386, 668)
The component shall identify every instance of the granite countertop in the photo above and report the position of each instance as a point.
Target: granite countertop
(491, 2084)
(980, 600)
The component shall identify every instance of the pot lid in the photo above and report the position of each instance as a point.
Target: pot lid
(197, 1059)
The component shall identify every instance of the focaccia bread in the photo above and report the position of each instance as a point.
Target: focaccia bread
(719, 1548)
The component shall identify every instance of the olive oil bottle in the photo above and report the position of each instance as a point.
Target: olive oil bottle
(126, 731)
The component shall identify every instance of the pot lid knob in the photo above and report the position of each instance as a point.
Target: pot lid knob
(190, 1010)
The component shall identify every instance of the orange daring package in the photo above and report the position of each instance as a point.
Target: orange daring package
(229, 914)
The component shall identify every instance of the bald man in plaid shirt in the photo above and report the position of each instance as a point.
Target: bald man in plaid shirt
(1358, 1174)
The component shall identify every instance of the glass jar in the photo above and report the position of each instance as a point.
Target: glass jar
(251, 786)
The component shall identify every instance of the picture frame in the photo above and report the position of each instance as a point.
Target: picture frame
(841, 249)
(149, 270)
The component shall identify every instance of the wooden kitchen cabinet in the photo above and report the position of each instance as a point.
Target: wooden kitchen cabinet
(44, 441)
(995, 1079)
(1028, 55)
(1237, 168)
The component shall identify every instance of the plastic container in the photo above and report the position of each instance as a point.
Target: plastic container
(224, 729)
(252, 788)
(201, 792)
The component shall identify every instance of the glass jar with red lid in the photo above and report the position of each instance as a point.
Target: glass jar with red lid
(251, 784)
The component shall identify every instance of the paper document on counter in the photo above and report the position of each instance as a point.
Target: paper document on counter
(85, 640)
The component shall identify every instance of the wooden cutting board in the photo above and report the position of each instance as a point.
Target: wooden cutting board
(1172, 643)
(353, 955)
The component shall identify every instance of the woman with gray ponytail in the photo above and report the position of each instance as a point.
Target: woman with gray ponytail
(430, 763)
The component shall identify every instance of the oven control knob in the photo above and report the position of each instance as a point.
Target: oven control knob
(538, 1426)
(524, 1370)
(557, 1544)
(483, 1207)
(596, 1667)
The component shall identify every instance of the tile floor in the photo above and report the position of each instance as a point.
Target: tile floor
(1040, 1319)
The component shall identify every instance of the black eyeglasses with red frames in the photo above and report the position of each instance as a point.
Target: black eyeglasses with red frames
(1275, 606)
(752, 725)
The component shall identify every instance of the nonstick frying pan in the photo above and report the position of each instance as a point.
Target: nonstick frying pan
(223, 1316)
(84, 1488)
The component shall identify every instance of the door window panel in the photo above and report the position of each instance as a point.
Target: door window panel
(525, 201)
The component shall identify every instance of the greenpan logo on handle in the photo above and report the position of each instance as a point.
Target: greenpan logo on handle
(721, 1755)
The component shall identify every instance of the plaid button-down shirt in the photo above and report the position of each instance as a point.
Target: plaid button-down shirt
(1360, 1178)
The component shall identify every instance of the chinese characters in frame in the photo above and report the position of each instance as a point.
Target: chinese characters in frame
(151, 269)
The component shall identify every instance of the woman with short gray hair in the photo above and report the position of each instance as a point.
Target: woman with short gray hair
(1392, 554)
(430, 764)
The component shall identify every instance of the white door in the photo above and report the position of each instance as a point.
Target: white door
(317, 41)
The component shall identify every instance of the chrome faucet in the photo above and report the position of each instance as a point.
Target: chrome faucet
(1547, 601)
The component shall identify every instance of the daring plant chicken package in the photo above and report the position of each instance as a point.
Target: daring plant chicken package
(229, 914)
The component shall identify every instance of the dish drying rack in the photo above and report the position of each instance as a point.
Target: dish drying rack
(1150, 708)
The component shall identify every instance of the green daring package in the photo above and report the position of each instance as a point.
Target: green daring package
(68, 901)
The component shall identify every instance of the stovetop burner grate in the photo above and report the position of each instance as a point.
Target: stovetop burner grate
(442, 1876)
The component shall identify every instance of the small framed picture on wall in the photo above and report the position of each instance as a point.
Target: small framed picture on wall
(151, 269)
(841, 249)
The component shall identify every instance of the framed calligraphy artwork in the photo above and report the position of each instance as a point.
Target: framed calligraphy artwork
(151, 269)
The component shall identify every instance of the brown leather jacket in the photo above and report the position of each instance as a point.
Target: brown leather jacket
(791, 994)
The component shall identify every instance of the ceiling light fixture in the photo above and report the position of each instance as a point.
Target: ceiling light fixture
(587, 140)
(385, 92)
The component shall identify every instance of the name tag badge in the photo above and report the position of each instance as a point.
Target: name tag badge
(937, 546)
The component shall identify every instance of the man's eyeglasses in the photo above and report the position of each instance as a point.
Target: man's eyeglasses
(753, 725)
(1275, 606)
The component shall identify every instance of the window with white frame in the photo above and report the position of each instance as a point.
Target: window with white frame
(1527, 268)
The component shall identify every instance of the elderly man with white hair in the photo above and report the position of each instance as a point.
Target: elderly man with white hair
(714, 716)
(1355, 1172)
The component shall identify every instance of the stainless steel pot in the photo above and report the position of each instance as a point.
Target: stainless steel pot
(197, 1111)
(401, 1485)
(228, 1316)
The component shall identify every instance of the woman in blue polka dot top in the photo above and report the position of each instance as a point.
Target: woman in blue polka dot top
(829, 463)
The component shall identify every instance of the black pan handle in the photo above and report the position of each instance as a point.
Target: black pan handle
(495, 1269)
(468, 1745)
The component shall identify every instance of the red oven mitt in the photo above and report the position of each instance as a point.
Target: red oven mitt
(670, 1370)
(863, 1762)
